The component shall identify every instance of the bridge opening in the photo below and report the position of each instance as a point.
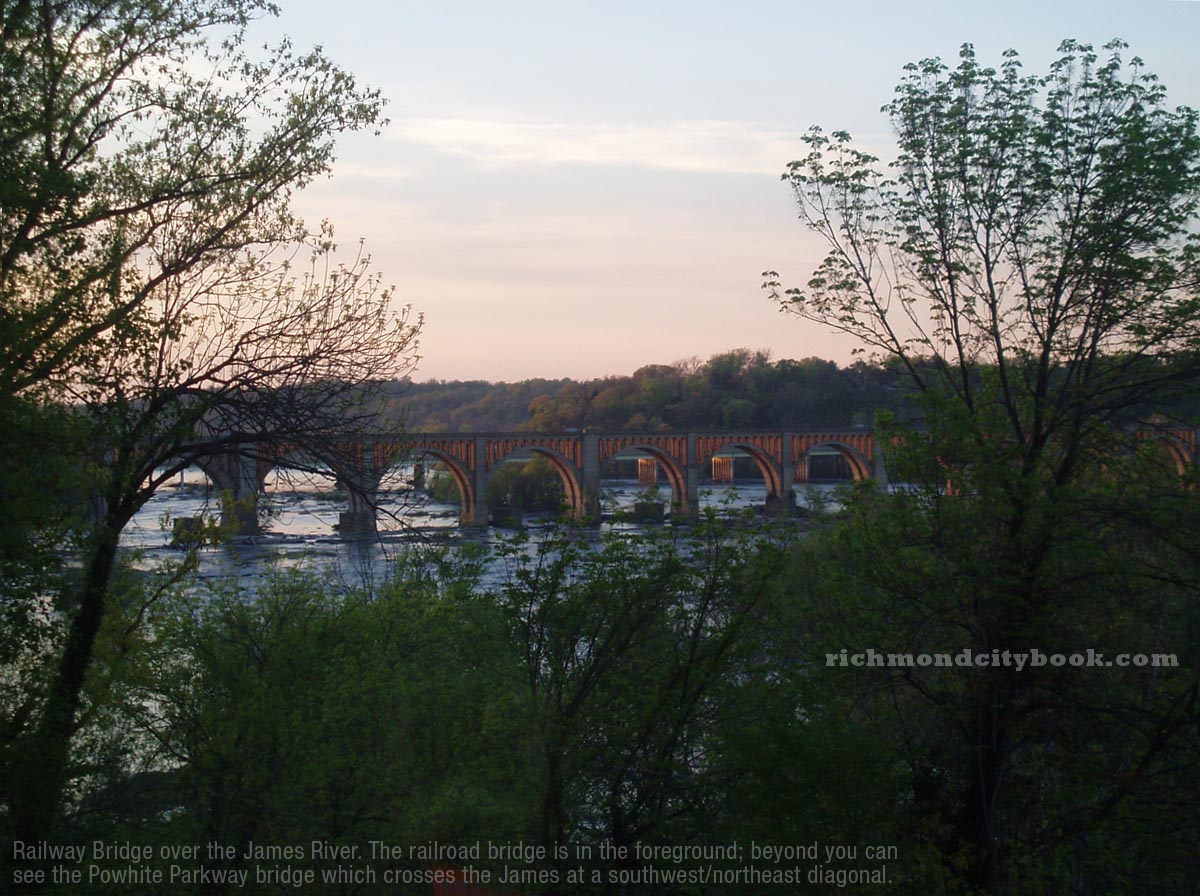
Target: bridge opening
(303, 495)
(301, 502)
(822, 470)
(431, 491)
(640, 484)
(529, 485)
(828, 465)
(418, 490)
(735, 480)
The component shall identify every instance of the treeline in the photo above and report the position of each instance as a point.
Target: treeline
(737, 389)
(731, 390)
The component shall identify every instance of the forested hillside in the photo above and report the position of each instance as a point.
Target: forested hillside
(732, 390)
(735, 389)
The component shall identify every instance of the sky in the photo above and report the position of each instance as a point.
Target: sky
(571, 189)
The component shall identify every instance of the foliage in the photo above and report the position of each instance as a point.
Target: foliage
(474, 405)
(1034, 242)
(533, 486)
(442, 486)
(629, 690)
(732, 389)
(1031, 265)
(136, 150)
(29, 563)
(158, 298)
(634, 656)
(303, 714)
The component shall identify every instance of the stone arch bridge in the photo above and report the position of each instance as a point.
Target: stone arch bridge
(578, 457)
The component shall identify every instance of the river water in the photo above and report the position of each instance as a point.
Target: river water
(299, 530)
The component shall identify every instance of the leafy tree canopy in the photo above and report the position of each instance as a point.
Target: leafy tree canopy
(157, 296)
(1029, 260)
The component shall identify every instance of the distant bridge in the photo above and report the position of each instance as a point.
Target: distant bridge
(578, 457)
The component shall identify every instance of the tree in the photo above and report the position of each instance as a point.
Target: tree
(634, 656)
(1035, 226)
(311, 714)
(135, 149)
(1031, 264)
(148, 292)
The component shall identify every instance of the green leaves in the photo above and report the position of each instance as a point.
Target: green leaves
(1032, 267)
(145, 234)
(1032, 222)
(307, 714)
(136, 155)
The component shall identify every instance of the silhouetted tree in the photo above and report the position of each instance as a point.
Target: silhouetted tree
(147, 284)
(1030, 263)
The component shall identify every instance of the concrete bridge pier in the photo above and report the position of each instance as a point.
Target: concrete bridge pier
(239, 483)
(879, 468)
(689, 507)
(590, 479)
(475, 513)
(362, 493)
(358, 473)
(783, 501)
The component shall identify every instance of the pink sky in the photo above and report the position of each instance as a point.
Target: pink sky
(570, 189)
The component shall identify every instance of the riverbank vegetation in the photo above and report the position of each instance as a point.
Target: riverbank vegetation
(738, 388)
(600, 698)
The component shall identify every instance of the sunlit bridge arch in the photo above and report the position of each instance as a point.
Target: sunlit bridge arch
(461, 477)
(772, 475)
(567, 472)
(859, 466)
(676, 478)
(1175, 452)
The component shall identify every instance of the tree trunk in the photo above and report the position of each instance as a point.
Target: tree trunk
(42, 760)
(989, 748)
(553, 822)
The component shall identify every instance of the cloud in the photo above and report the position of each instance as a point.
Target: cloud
(735, 147)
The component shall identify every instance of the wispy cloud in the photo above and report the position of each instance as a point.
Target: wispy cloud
(700, 146)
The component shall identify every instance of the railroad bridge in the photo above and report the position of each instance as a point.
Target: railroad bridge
(578, 457)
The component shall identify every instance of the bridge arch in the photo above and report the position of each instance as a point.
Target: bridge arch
(343, 467)
(676, 475)
(860, 466)
(577, 457)
(767, 465)
(567, 472)
(1175, 451)
(461, 476)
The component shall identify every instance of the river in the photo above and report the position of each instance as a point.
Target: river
(299, 529)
